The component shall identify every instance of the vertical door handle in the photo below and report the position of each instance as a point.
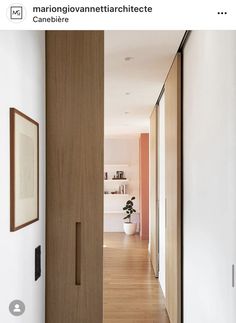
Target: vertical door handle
(78, 254)
(233, 279)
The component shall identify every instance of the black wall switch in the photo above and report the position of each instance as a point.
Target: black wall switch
(37, 262)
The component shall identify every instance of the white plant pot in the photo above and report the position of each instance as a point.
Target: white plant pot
(130, 228)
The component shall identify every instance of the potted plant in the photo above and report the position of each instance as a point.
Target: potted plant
(129, 227)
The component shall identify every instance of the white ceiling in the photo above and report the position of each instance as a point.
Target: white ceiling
(142, 77)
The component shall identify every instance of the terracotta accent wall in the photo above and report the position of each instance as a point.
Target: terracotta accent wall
(144, 185)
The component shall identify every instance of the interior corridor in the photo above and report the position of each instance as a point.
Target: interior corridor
(131, 292)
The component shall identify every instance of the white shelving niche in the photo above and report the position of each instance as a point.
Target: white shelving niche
(120, 154)
(116, 191)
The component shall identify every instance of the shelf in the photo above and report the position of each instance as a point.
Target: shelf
(109, 194)
(116, 180)
(116, 165)
(114, 212)
(119, 212)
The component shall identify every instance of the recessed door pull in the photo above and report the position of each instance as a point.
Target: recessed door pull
(233, 280)
(78, 253)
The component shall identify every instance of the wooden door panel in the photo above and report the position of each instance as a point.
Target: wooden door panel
(173, 190)
(75, 87)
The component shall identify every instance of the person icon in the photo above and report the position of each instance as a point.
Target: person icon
(17, 308)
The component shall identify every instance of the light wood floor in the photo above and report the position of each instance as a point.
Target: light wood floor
(131, 292)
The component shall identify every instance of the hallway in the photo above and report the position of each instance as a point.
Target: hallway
(131, 292)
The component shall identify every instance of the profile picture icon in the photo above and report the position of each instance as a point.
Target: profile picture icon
(16, 12)
(17, 307)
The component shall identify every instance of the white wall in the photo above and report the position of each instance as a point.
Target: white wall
(161, 190)
(209, 177)
(122, 150)
(22, 85)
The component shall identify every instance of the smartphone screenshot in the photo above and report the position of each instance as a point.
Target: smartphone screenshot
(117, 161)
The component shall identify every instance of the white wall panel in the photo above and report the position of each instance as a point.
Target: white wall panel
(209, 176)
(22, 85)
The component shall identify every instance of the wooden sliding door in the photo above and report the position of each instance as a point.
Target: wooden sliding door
(153, 191)
(173, 190)
(75, 90)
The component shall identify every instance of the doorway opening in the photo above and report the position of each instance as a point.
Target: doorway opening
(136, 67)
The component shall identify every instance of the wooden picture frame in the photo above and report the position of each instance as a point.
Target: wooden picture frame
(24, 170)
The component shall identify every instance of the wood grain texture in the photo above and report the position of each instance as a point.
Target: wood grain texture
(173, 190)
(75, 117)
(153, 191)
(131, 292)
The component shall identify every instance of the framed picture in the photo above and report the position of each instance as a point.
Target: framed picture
(24, 170)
